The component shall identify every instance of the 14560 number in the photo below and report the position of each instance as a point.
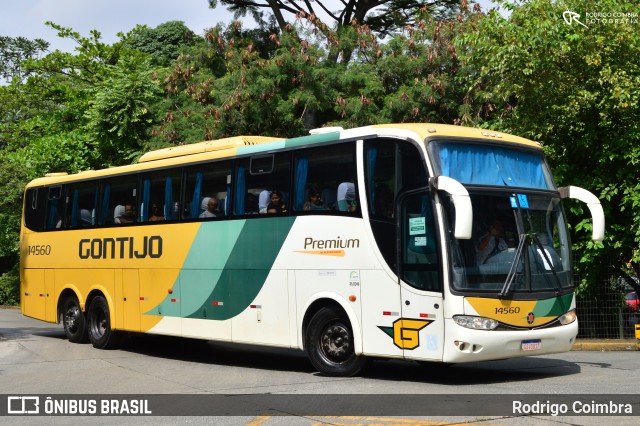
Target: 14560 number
(510, 310)
(39, 250)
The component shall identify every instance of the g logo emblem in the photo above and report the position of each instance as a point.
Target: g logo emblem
(405, 332)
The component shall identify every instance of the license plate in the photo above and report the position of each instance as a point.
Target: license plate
(531, 345)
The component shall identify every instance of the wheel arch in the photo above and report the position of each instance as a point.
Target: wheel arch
(68, 291)
(99, 291)
(325, 300)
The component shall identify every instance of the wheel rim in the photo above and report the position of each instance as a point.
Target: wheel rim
(99, 323)
(71, 318)
(335, 343)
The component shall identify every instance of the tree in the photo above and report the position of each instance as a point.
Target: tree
(163, 42)
(240, 81)
(264, 82)
(70, 112)
(102, 91)
(577, 89)
(13, 51)
(383, 17)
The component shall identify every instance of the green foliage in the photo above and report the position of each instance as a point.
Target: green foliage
(577, 90)
(13, 51)
(10, 287)
(243, 82)
(283, 84)
(72, 112)
(119, 115)
(384, 17)
(163, 42)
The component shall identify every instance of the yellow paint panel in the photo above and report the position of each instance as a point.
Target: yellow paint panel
(108, 260)
(33, 305)
(128, 299)
(155, 285)
(114, 247)
(511, 312)
(425, 130)
(147, 322)
(206, 146)
(50, 299)
(83, 281)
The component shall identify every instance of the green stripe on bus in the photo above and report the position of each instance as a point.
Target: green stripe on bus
(226, 267)
(555, 306)
(311, 139)
(247, 268)
(289, 143)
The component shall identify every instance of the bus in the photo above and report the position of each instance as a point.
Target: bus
(424, 242)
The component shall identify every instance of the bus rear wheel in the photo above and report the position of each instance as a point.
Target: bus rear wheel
(330, 344)
(74, 321)
(100, 333)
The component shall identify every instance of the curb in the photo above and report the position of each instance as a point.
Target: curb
(604, 345)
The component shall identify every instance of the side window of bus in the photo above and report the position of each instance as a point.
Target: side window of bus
(325, 180)
(413, 173)
(160, 196)
(81, 201)
(263, 184)
(420, 265)
(55, 209)
(392, 167)
(118, 200)
(35, 202)
(207, 190)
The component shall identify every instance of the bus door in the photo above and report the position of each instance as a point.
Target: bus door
(420, 330)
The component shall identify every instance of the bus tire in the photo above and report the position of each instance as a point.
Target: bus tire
(330, 345)
(99, 324)
(74, 321)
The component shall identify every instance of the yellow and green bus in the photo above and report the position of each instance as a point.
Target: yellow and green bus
(425, 242)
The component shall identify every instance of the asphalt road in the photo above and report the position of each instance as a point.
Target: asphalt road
(36, 359)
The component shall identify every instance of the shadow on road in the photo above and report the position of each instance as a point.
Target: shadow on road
(276, 359)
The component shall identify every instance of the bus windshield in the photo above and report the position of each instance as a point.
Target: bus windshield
(486, 164)
(519, 244)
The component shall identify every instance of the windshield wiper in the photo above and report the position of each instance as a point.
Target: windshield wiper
(543, 252)
(506, 288)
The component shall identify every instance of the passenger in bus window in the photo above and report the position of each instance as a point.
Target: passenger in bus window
(85, 218)
(315, 201)
(347, 197)
(491, 242)
(128, 214)
(263, 201)
(276, 205)
(156, 213)
(212, 208)
(250, 204)
(203, 205)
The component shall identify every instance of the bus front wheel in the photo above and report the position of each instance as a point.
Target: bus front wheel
(74, 321)
(330, 345)
(100, 333)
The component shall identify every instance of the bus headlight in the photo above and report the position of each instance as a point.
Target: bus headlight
(475, 323)
(568, 318)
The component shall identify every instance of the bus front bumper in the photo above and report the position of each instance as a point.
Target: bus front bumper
(467, 345)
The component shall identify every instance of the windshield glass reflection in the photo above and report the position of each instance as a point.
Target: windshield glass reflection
(519, 244)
